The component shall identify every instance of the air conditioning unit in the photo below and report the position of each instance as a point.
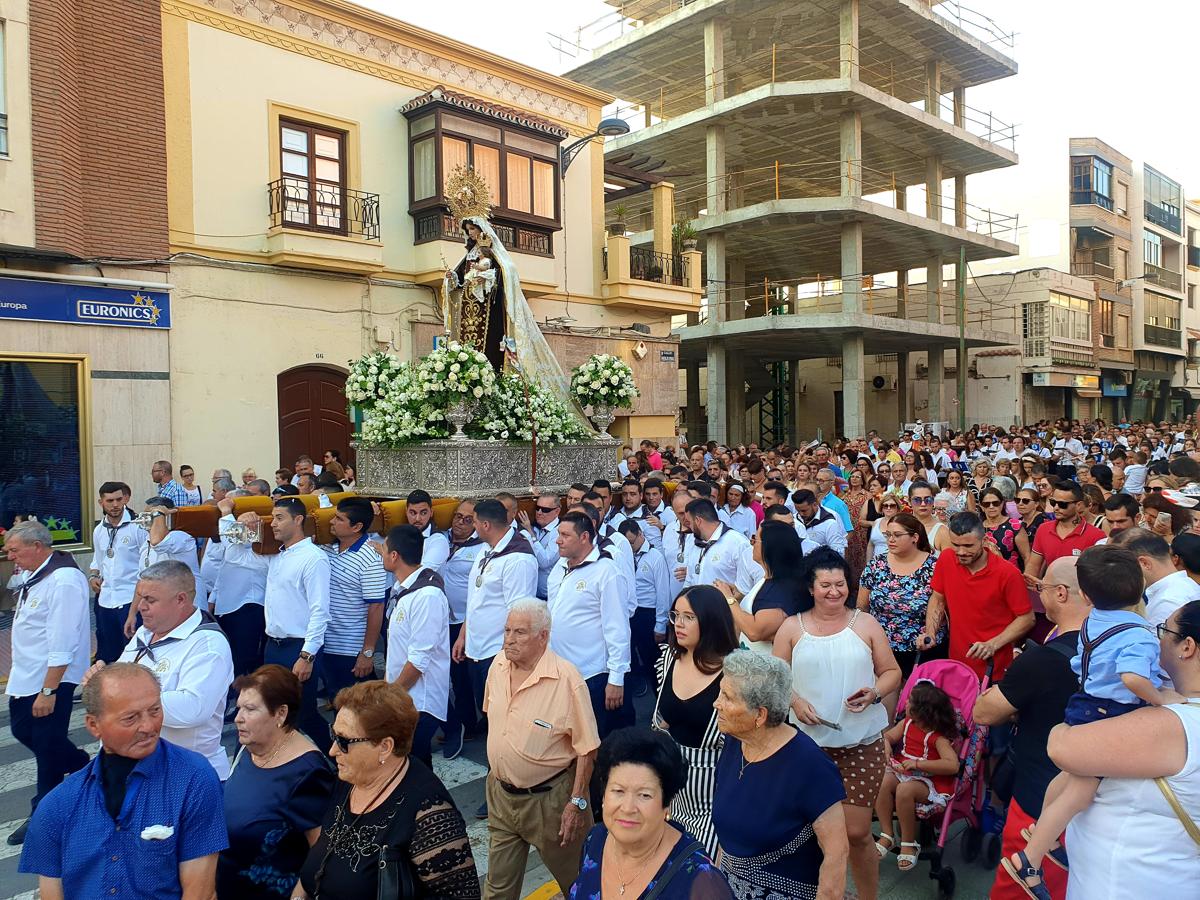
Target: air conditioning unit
(884, 382)
(1122, 377)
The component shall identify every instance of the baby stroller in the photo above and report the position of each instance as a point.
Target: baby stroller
(967, 802)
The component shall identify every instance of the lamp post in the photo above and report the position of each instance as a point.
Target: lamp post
(607, 128)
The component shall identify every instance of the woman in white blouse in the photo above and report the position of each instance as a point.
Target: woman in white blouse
(737, 507)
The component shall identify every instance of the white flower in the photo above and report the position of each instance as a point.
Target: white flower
(455, 368)
(478, 392)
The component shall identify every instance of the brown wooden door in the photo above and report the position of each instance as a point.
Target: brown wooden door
(312, 414)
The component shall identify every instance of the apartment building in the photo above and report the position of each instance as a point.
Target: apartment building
(818, 150)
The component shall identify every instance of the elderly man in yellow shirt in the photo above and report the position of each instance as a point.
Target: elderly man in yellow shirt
(542, 742)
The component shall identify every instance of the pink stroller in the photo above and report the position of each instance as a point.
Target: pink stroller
(960, 683)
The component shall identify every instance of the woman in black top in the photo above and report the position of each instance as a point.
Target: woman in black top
(391, 818)
(778, 549)
(701, 635)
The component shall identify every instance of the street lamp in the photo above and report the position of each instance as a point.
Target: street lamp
(607, 128)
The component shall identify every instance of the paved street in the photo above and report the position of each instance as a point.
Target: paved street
(464, 777)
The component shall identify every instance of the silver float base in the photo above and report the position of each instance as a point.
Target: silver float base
(481, 468)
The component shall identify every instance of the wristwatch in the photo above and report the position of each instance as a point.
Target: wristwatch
(48, 692)
(579, 803)
(367, 654)
(306, 656)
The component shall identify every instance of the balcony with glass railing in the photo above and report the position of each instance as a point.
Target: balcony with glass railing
(1163, 278)
(1163, 218)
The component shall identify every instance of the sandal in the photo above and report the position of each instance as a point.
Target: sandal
(891, 842)
(906, 861)
(1021, 875)
(1056, 854)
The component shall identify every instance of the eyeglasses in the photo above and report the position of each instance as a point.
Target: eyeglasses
(896, 535)
(889, 505)
(987, 503)
(343, 743)
(1062, 504)
(546, 509)
(1161, 628)
(459, 517)
(686, 618)
(921, 501)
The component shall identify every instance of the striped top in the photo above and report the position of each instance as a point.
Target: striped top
(356, 580)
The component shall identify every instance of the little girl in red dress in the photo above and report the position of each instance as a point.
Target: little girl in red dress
(923, 766)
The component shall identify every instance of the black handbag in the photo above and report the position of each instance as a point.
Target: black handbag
(396, 878)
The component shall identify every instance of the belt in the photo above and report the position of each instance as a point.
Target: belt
(541, 788)
(283, 640)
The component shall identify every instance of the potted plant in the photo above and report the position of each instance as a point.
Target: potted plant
(617, 226)
(683, 237)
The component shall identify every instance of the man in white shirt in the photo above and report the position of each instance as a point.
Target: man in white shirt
(305, 466)
(632, 509)
(613, 543)
(116, 561)
(358, 589)
(187, 652)
(237, 590)
(543, 534)
(465, 547)
(163, 544)
(1005, 449)
(51, 640)
(676, 537)
(591, 622)
(1167, 589)
(419, 511)
(418, 656)
(296, 604)
(715, 549)
(941, 459)
(652, 593)
(658, 513)
(505, 572)
(820, 525)
(777, 512)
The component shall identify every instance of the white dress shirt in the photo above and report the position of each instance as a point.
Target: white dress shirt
(118, 559)
(653, 584)
(296, 598)
(546, 550)
(436, 549)
(179, 546)
(194, 667)
(456, 572)
(51, 627)
(233, 579)
(618, 547)
(665, 514)
(585, 603)
(417, 633)
(1168, 594)
(497, 581)
(718, 560)
(652, 534)
(826, 530)
(742, 520)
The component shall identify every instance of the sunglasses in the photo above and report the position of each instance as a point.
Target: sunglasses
(921, 501)
(1156, 490)
(1026, 500)
(1062, 504)
(546, 509)
(990, 503)
(889, 505)
(343, 743)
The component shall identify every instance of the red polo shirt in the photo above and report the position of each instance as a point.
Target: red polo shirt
(980, 606)
(1049, 546)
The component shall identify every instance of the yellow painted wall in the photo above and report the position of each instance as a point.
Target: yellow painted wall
(16, 169)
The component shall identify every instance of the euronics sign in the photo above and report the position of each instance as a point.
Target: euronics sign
(83, 304)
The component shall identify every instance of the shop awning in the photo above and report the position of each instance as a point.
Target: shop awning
(1079, 392)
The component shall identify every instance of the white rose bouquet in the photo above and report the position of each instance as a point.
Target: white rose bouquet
(456, 373)
(370, 377)
(510, 414)
(604, 380)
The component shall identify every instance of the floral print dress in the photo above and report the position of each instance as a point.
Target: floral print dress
(899, 602)
(1004, 536)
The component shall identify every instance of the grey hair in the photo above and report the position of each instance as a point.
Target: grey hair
(765, 682)
(224, 483)
(222, 473)
(537, 610)
(1005, 485)
(93, 691)
(237, 492)
(32, 531)
(262, 485)
(171, 571)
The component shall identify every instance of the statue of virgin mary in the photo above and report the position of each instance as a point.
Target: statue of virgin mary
(487, 308)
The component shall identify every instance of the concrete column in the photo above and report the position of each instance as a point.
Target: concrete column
(848, 39)
(902, 294)
(933, 87)
(960, 107)
(692, 393)
(715, 171)
(714, 241)
(902, 388)
(933, 188)
(936, 379)
(960, 201)
(901, 198)
(736, 290)
(735, 397)
(794, 383)
(854, 374)
(852, 268)
(718, 392)
(714, 60)
(716, 294)
(933, 289)
(850, 154)
(662, 214)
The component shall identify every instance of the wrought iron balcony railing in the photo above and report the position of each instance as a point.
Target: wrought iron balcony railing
(332, 209)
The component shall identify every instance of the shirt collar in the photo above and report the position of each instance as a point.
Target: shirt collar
(45, 562)
(546, 667)
(182, 631)
(297, 545)
(147, 767)
(1165, 584)
(357, 545)
(126, 518)
(503, 542)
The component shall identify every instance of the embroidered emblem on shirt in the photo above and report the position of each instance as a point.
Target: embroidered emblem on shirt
(580, 585)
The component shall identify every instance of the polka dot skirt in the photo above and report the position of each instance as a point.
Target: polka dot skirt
(862, 767)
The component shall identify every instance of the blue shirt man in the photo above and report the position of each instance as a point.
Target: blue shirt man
(143, 819)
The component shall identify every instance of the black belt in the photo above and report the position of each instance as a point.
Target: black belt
(286, 640)
(536, 789)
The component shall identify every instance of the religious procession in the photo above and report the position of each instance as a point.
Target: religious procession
(689, 495)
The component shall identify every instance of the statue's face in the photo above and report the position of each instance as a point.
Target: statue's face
(473, 231)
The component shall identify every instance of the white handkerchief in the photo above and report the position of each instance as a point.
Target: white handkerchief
(157, 832)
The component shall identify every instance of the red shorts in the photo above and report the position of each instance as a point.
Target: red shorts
(1004, 888)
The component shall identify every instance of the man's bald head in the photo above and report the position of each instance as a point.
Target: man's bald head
(1065, 604)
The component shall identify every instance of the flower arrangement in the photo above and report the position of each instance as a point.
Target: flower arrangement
(404, 414)
(604, 380)
(370, 377)
(511, 413)
(456, 373)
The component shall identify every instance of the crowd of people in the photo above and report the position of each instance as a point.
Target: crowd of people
(775, 606)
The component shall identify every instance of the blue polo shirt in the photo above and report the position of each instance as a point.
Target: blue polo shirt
(73, 837)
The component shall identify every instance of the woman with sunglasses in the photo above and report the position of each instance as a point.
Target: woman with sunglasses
(700, 636)
(921, 500)
(1144, 757)
(869, 512)
(889, 508)
(391, 818)
(1029, 512)
(1004, 531)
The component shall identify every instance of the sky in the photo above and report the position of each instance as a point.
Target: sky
(1111, 69)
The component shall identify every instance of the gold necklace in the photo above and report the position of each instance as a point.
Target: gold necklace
(621, 879)
(275, 752)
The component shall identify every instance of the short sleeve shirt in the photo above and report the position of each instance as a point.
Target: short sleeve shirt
(980, 606)
(1049, 546)
(1134, 651)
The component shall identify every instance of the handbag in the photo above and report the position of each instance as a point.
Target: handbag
(396, 879)
(1185, 820)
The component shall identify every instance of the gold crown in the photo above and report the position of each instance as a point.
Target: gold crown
(467, 193)
(485, 240)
